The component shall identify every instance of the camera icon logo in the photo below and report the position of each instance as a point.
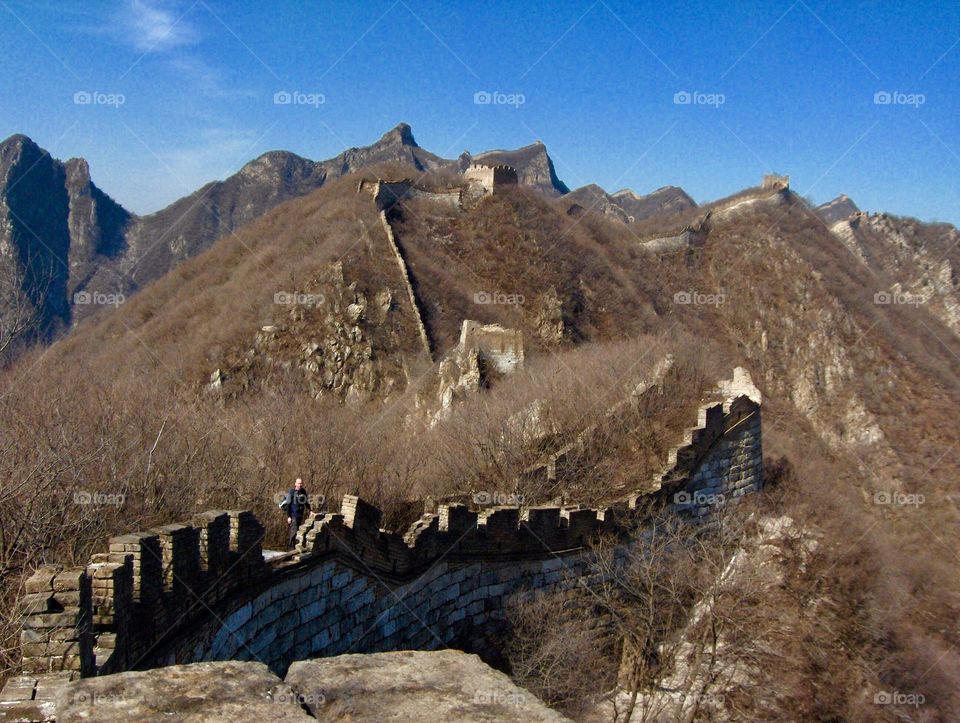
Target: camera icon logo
(682, 297)
(82, 97)
(482, 97)
(882, 97)
(282, 97)
(882, 297)
(682, 97)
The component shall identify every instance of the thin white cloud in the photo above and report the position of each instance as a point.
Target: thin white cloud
(208, 80)
(219, 153)
(153, 26)
(175, 172)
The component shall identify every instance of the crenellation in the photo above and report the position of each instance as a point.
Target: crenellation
(246, 542)
(214, 528)
(360, 515)
(180, 548)
(580, 524)
(544, 524)
(456, 519)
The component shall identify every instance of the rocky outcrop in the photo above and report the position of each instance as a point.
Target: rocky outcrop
(339, 337)
(56, 227)
(549, 319)
(216, 692)
(409, 685)
(593, 198)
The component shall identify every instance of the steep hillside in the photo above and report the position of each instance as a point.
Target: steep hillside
(65, 236)
(915, 263)
(157, 242)
(292, 347)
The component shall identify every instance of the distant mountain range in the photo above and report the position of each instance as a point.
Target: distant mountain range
(63, 240)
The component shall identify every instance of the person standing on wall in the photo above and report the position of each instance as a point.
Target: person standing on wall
(297, 506)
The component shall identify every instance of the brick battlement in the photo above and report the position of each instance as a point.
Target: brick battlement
(202, 589)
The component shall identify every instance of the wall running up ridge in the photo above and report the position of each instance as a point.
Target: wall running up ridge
(202, 590)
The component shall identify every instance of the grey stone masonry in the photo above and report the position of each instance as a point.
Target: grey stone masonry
(202, 591)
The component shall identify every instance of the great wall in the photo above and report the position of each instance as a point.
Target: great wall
(774, 191)
(205, 590)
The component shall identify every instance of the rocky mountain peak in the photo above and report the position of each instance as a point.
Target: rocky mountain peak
(837, 210)
(402, 135)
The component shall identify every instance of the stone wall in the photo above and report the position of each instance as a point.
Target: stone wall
(387, 193)
(407, 282)
(203, 591)
(689, 236)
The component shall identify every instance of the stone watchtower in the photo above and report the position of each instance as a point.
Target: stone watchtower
(775, 182)
(491, 178)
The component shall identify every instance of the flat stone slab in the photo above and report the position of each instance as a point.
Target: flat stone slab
(445, 685)
(222, 692)
(31, 697)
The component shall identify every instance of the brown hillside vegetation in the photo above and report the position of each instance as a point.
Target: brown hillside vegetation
(860, 407)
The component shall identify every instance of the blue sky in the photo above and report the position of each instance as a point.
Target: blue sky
(786, 87)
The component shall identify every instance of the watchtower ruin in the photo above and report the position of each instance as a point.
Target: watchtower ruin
(499, 347)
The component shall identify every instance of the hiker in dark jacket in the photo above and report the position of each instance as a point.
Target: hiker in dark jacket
(297, 506)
